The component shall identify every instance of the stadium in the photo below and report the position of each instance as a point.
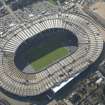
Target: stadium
(46, 52)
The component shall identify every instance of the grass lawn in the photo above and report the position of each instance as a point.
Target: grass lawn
(52, 1)
(49, 58)
(46, 48)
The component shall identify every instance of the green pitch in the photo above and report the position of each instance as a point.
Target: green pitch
(52, 1)
(44, 49)
(49, 58)
(48, 51)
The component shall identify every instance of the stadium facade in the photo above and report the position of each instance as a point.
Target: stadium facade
(90, 46)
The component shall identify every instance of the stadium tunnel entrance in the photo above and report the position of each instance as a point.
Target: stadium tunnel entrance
(44, 43)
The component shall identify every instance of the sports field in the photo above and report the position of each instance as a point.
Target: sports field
(45, 48)
(52, 1)
(52, 48)
(49, 50)
(49, 58)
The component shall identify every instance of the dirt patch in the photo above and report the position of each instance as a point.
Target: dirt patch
(99, 8)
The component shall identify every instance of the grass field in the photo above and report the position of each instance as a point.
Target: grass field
(49, 50)
(49, 58)
(43, 50)
(52, 1)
